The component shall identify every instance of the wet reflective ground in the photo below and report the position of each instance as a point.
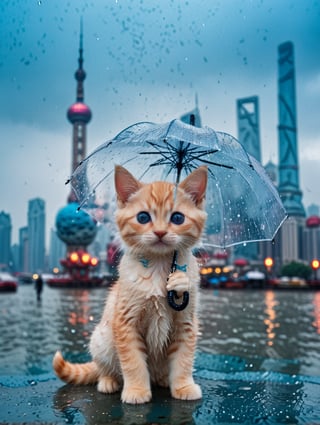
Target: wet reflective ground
(258, 361)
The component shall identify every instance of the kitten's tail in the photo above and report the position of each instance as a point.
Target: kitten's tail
(75, 373)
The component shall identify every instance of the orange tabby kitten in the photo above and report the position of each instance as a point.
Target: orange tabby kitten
(140, 339)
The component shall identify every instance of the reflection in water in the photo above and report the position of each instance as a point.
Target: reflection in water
(68, 400)
(81, 313)
(259, 357)
(270, 320)
(233, 323)
(273, 330)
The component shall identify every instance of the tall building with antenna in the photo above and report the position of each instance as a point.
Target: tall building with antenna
(79, 115)
(75, 227)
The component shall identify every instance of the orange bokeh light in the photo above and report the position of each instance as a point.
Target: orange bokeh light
(85, 258)
(74, 257)
(268, 262)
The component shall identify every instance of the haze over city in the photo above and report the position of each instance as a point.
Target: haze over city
(144, 61)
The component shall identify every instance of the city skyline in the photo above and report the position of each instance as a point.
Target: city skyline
(222, 54)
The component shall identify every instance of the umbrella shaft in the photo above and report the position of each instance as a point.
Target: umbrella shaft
(179, 164)
(174, 262)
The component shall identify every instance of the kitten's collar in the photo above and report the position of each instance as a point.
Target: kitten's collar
(182, 268)
(146, 264)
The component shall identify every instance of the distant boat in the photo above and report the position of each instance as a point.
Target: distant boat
(8, 283)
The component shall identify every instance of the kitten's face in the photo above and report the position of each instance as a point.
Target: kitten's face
(157, 221)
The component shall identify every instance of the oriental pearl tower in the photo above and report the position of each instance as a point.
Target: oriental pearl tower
(75, 227)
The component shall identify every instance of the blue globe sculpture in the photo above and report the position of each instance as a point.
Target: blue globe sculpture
(75, 227)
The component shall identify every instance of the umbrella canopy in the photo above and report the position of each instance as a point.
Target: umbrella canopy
(242, 202)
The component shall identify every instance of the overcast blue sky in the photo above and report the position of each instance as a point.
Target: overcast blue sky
(145, 60)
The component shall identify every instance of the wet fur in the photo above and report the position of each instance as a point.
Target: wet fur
(140, 339)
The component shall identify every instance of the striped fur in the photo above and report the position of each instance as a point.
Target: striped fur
(140, 340)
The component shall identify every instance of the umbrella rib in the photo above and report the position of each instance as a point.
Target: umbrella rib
(230, 167)
(190, 154)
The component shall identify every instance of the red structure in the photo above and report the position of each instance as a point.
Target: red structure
(313, 221)
(78, 264)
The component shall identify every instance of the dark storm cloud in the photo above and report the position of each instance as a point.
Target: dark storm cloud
(144, 60)
(139, 43)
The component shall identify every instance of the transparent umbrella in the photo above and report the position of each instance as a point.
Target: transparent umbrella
(241, 201)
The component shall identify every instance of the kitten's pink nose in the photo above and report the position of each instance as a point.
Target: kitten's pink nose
(160, 233)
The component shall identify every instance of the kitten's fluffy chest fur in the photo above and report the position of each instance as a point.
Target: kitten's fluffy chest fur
(148, 276)
(143, 284)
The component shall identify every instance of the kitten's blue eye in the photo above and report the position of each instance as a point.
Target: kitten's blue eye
(177, 218)
(143, 217)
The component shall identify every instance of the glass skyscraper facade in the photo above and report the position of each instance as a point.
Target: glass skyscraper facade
(36, 235)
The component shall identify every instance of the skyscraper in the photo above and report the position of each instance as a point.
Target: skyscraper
(5, 240)
(57, 250)
(36, 235)
(249, 137)
(248, 125)
(289, 189)
(23, 249)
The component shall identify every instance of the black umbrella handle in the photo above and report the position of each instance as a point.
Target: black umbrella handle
(172, 295)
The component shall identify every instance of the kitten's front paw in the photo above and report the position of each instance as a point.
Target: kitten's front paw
(108, 385)
(136, 395)
(189, 392)
(178, 281)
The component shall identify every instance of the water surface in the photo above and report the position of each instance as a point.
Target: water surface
(258, 360)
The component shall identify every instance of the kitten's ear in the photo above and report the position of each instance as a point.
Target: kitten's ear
(125, 183)
(196, 184)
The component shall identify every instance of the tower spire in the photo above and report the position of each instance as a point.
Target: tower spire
(80, 74)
